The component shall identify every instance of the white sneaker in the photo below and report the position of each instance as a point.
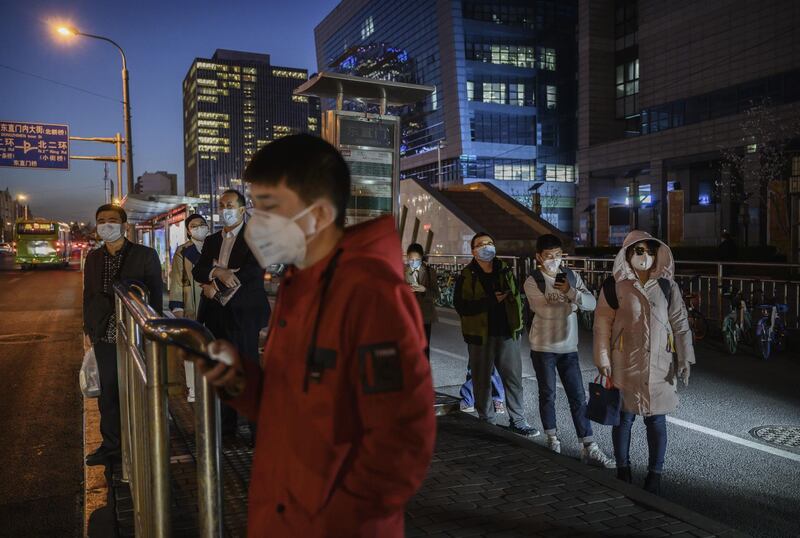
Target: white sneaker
(467, 408)
(554, 444)
(592, 455)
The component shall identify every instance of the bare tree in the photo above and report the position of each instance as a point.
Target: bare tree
(750, 169)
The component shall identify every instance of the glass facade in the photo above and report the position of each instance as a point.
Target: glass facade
(233, 103)
(510, 69)
(777, 89)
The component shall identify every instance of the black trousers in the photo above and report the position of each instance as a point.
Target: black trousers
(108, 402)
(242, 331)
(428, 341)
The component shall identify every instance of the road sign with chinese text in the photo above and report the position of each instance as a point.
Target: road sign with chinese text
(34, 145)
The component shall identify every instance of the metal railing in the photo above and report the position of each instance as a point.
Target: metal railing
(142, 341)
(710, 280)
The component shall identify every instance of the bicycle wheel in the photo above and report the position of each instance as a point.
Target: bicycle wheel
(698, 324)
(763, 339)
(730, 337)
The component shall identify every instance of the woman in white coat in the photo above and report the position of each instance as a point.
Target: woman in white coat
(643, 342)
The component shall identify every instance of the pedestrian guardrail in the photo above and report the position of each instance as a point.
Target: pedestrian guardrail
(708, 279)
(143, 338)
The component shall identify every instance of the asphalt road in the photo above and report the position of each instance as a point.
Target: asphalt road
(41, 472)
(713, 466)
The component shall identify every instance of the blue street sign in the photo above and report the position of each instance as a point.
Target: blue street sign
(34, 145)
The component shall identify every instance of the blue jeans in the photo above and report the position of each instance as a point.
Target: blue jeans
(656, 440)
(569, 369)
(498, 392)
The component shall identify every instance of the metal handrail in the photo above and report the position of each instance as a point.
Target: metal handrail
(710, 285)
(142, 341)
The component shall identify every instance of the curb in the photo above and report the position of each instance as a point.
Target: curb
(634, 493)
(95, 486)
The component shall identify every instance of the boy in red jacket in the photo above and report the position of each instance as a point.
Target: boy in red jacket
(343, 400)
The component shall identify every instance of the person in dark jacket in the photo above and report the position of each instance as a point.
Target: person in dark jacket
(234, 305)
(117, 260)
(422, 279)
(487, 298)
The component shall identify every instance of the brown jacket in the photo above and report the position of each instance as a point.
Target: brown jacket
(647, 339)
(427, 299)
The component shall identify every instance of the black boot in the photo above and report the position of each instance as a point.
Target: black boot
(652, 483)
(624, 474)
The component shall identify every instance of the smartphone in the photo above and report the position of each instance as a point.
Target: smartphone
(561, 277)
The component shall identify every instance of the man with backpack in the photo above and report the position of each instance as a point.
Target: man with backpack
(555, 293)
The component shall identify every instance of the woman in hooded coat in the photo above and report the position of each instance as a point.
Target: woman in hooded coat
(643, 342)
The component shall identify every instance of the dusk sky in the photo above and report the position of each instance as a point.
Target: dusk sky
(160, 39)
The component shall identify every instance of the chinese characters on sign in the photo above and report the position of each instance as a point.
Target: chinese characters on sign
(34, 145)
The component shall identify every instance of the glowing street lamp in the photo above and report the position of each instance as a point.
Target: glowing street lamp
(70, 31)
(23, 198)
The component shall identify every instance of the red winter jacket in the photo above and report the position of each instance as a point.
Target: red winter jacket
(343, 458)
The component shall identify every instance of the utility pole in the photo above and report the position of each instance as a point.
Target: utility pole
(439, 146)
(106, 181)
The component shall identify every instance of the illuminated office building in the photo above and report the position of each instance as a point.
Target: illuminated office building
(504, 73)
(234, 103)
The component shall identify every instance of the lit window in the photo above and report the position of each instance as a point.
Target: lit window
(516, 94)
(470, 90)
(312, 121)
(552, 98)
(367, 27)
(208, 98)
(249, 70)
(299, 99)
(212, 116)
(289, 74)
(206, 82)
(434, 99)
(564, 173)
(494, 92)
(547, 59)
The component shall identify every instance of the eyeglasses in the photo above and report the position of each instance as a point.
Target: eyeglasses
(641, 250)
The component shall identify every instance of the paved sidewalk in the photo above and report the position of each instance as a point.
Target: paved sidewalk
(483, 481)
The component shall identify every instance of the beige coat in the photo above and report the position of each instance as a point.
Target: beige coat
(183, 290)
(648, 339)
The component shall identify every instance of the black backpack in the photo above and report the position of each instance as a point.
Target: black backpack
(610, 291)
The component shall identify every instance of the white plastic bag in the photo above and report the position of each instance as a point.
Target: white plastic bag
(89, 376)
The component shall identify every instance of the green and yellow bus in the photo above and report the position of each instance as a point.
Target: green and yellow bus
(42, 242)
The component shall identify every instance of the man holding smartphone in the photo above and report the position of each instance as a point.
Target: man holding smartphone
(555, 293)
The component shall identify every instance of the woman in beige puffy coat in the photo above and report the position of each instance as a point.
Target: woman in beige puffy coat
(643, 345)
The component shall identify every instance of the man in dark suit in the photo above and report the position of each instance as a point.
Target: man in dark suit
(227, 266)
(118, 259)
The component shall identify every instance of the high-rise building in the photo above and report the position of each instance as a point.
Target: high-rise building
(670, 94)
(157, 183)
(234, 103)
(504, 71)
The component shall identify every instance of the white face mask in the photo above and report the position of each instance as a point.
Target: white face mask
(275, 239)
(199, 233)
(551, 266)
(230, 216)
(642, 262)
(109, 231)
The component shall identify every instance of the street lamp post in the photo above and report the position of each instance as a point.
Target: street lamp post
(23, 198)
(126, 104)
